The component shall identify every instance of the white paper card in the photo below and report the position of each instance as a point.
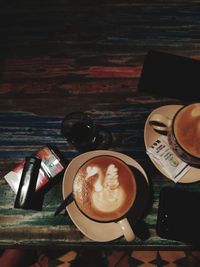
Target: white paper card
(165, 157)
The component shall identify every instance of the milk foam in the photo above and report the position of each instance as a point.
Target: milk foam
(95, 170)
(111, 177)
(196, 112)
(108, 200)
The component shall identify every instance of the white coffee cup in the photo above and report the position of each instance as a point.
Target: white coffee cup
(183, 132)
(104, 190)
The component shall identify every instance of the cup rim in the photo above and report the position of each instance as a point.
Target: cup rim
(124, 215)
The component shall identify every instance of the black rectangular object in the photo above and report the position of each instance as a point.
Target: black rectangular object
(27, 183)
(169, 75)
(179, 215)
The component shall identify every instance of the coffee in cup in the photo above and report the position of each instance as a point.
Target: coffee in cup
(183, 132)
(187, 129)
(104, 188)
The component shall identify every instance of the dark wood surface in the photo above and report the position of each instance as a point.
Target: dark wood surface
(60, 57)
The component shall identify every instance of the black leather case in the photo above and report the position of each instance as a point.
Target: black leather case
(170, 75)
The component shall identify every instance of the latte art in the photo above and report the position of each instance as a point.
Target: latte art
(108, 200)
(187, 129)
(111, 196)
(104, 188)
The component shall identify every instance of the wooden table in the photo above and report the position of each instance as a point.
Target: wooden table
(50, 69)
(24, 132)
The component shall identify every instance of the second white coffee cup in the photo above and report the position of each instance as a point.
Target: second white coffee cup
(183, 132)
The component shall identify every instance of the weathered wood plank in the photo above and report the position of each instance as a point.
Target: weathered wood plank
(108, 24)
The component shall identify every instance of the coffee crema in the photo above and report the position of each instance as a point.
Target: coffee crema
(187, 129)
(104, 188)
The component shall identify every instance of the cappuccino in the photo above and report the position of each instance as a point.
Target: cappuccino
(104, 188)
(187, 129)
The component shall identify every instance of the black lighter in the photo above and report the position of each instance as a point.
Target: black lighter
(27, 183)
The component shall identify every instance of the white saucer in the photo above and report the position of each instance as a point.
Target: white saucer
(193, 175)
(94, 230)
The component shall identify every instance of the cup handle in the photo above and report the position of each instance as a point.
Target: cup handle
(126, 229)
(160, 123)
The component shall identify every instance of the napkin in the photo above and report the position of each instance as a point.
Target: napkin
(160, 152)
(169, 75)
